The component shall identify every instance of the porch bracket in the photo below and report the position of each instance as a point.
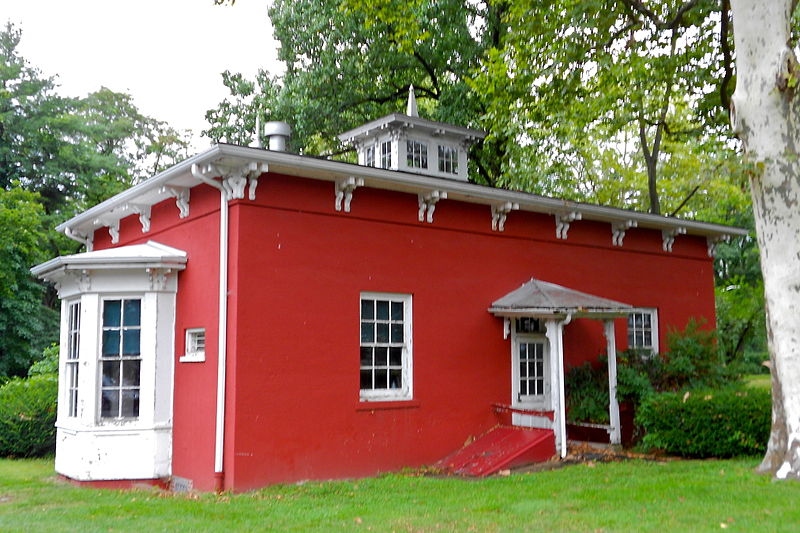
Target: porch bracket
(344, 192)
(427, 204)
(614, 433)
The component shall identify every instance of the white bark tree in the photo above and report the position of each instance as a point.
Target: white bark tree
(765, 112)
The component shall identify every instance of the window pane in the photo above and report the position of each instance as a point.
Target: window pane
(130, 373)
(523, 370)
(111, 342)
(648, 339)
(366, 379)
(540, 369)
(111, 373)
(109, 405)
(381, 381)
(646, 320)
(637, 320)
(382, 309)
(366, 356)
(395, 356)
(523, 351)
(395, 379)
(382, 332)
(132, 313)
(367, 309)
(130, 403)
(397, 310)
(130, 342)
(367, 332)
(381, 356)
(397, 332)
(111, 313)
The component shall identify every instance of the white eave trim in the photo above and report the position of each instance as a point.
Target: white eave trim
(327, 170)
(561, 312)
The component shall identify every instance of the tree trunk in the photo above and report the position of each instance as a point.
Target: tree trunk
(765, 114)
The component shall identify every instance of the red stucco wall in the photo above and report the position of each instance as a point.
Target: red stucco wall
(297, 268)
(302, 267)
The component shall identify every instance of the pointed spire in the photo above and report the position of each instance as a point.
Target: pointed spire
(411, 109)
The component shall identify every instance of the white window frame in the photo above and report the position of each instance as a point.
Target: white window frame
(72, 356)
(542, 401)
(416, 153)
(101, 358)
(191, 352)
(369, 156)
(653, 313)
(406, 391)
(386, 154)
(448, 159)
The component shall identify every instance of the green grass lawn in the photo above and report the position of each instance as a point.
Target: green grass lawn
(761, 381)
(628, 496)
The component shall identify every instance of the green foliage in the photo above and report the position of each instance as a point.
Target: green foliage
(28, 415)
(26, 326)
(691, 360)
(741, 325)
(58, 156)
(349, 62)
(48, 364)
(711, 423)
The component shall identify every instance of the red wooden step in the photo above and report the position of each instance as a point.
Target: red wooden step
(500, 448)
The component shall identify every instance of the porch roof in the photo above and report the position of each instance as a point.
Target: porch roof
(537, 298)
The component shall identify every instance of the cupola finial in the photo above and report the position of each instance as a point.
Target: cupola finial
(411, 109)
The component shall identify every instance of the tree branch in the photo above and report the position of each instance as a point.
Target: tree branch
(727, 60)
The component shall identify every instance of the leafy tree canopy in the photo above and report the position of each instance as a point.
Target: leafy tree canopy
(58, 156)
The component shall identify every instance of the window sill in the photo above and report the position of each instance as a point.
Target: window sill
(193, 358)
(386, 405)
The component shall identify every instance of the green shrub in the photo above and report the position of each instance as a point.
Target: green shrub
(586, 394)
(28, 415)
(716, 423)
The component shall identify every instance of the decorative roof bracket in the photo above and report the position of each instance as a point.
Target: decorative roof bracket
(713, 242)
(563, 220)
(144, 216)
(235, 182)
(344, 191)
(618, 230)
(500, 213)
(113, 230)
(668, 237)
(181, 195)
(427, 204)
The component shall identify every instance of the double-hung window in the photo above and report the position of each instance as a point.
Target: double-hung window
(448, 159)
(386, 154)
(643, 330)
(73, 356)
(121, 358)
(386, 346)
(416, 154)
(369, 156)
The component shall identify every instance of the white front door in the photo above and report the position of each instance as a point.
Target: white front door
(531, 378)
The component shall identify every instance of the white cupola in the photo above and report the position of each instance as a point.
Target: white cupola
(413, 144)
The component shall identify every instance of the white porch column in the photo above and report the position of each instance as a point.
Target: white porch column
(555, 333)
(613, 406)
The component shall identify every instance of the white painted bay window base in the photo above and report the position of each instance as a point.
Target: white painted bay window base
(136, 443)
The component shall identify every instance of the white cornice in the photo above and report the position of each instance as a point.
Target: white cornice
(152, 191)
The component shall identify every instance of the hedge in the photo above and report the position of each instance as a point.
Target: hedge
(713, 423)
(28, 416)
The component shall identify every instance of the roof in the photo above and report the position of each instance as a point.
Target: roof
(540, 298)
(394, 120)
(157, 189)
(149, 255)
